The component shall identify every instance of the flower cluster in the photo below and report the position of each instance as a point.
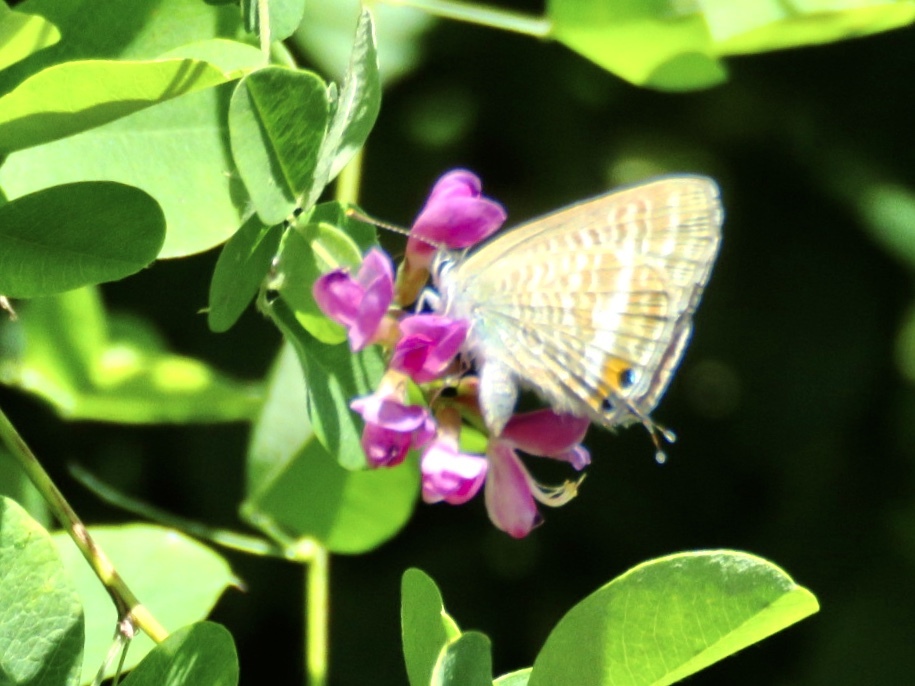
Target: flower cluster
(424, 348)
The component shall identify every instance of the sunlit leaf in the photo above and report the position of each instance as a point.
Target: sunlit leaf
(425, 626)
(668, 618)
(23, 34)
(198, 655)
(178, 580)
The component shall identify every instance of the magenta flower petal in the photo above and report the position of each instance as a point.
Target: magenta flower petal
(385, 447)
(578, 457)
(509, 498)
(450, 475)
(390, 412)
(544, 432)
(338, 296)
(456, 215)
(359, 304)
(429, 344)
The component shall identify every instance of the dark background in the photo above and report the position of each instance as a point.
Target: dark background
(793, 415)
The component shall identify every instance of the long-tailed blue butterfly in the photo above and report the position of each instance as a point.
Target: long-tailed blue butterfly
(591, 306)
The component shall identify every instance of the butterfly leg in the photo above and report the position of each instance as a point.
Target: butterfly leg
(498, 395)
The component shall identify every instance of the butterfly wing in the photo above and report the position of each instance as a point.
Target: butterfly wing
(591, 306)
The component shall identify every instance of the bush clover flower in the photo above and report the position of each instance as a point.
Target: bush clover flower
(456, 216)
(423, 348)
(361, 303)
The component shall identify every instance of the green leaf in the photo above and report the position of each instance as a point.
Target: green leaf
(466, 661)
(241, 268)
(349, 512)
(668, 618)
(277, 120)
(75, 96)
(762, 25)
(355, 109)
(334, 376)
(425, 626)
(284, 17)
(22, 35)
(70, 359)
(14, 484)
(176, 578)
(326, 35)
(518, 678)
(76, 235)
(654, 43)
(198, 655)
(125, 29)
(295, 483)
(41, 639)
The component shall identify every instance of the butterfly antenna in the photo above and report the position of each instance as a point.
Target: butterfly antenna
(363, 217)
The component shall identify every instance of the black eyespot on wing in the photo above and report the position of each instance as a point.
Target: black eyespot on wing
(627, 378)
(606, 405)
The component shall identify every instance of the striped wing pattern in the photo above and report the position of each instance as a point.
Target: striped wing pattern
(592, 306)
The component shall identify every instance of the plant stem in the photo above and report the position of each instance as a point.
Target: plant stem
(263, 25)
(129, 608)
(316, 613)
(484, 16)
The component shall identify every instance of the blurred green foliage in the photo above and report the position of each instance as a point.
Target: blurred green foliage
(794, 404)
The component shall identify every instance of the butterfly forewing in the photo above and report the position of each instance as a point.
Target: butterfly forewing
(592, 305)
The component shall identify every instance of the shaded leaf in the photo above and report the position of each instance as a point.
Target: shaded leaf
(241, 268)
(334, 376)
(76, 235)
(295, 483)
(41, 641)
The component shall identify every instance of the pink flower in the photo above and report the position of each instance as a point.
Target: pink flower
(391, 427)
(511, 492)
(455, 216)
(450, 475)
(428, 345)
(359, 304)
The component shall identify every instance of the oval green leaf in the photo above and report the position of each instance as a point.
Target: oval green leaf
(242, 265)
(466, 661)
(178, 579)
(198, 655)
(42, 637)
(277, 121)
(669, 618)
(425, 626)
(76, 235)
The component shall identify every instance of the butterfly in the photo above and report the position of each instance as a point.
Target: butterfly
(592, 306)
